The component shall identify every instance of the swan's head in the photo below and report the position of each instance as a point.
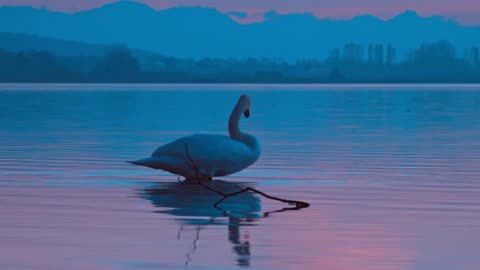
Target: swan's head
(244, 102)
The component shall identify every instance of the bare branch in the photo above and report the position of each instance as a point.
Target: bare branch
(298, 204)
(191, 161)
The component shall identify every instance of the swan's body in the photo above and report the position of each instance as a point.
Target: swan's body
(203, 156)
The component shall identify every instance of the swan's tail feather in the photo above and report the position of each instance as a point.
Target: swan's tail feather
(148, 162)
(155, 163)
(167, 164)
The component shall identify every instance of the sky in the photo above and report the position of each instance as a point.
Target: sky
(466, 12)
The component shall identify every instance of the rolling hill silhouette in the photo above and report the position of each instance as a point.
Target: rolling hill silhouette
(205, 32)
(15, 42)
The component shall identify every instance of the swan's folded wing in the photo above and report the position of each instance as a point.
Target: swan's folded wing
(209, 152)
(221, 155)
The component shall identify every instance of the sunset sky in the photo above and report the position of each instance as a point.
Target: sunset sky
(466, 12)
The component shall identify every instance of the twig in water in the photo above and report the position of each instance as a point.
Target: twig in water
(194, 247)
(179, 233)
(195, 168)
(285, 209)
(298, 204)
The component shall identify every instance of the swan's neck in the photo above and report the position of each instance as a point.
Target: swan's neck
(234, 129)
(235, 133)
(233, 126)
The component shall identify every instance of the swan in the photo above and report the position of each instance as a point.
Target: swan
(200, 157)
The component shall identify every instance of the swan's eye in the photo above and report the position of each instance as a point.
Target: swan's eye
(246, 113)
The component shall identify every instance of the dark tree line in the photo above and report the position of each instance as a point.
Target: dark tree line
(436, 62)
(34, 67)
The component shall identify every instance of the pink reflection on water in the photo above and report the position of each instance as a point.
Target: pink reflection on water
(381, 197)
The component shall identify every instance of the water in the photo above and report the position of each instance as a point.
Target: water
(392, 177)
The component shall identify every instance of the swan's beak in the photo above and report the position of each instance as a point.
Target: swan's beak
(246, 113)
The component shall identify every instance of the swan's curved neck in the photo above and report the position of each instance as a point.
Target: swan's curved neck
(233, 122)
(234, 129)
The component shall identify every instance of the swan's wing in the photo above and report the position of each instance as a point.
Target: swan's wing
(210, 152)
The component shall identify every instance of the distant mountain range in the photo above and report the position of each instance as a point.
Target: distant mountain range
(204, 32)
(26, 42)
(15, 42)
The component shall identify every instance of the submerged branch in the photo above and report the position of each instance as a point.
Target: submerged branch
(298, 204)
(195, 168)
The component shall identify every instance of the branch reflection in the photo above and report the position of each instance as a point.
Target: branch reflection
(198, 206)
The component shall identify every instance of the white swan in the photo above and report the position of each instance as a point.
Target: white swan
(203, 156)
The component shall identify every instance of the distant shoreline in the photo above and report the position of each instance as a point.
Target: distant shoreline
(233, 86)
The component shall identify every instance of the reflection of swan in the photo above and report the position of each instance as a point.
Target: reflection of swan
(193, 204)
(196, 204)
(204, 156)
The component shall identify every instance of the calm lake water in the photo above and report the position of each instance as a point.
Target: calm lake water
(392, 175)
